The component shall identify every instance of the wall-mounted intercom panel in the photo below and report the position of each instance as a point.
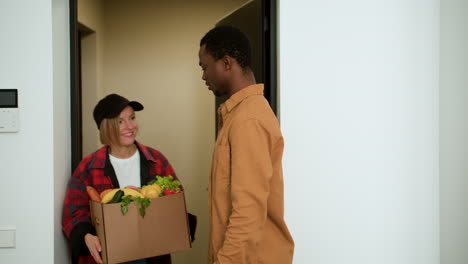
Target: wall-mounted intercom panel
(9, 113)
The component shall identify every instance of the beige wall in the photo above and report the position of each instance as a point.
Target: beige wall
(150, 54)
(90, 13)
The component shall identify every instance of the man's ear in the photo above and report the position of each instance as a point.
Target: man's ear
(227, 62)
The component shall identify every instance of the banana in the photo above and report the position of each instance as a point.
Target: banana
(108, 196)
(132, 192)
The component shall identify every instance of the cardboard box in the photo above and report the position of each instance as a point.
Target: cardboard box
(163, 230)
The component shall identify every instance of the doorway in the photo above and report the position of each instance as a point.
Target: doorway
(148, 51)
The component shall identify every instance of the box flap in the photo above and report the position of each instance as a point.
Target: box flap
(97, 219)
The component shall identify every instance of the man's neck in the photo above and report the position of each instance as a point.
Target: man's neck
(239, 83)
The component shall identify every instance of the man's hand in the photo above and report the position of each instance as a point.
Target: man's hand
(94, 246)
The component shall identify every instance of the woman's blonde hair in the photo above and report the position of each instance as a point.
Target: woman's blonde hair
(109, 131)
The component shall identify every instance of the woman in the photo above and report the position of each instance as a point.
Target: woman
(121, 162)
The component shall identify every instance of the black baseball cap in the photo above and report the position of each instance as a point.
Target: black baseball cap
(111, 106)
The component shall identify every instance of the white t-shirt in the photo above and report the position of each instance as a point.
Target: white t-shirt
(127, 170)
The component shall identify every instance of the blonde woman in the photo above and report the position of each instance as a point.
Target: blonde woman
(122, 161)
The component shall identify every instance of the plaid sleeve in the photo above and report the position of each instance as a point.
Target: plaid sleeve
(76, 205)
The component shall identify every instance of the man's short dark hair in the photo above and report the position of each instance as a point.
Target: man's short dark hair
(227, 40)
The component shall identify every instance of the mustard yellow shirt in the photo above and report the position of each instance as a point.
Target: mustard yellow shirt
(246, 202)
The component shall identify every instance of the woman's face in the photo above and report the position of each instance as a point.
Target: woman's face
(128, 127)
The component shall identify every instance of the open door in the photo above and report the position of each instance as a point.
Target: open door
(257, 19)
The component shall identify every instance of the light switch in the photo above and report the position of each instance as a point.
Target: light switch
(7, 238)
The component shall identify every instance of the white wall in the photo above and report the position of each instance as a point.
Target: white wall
(32, 52)
(453, 131)
(359, 113)
(62, 125)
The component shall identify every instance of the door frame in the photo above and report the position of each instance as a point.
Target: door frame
(271, 61)
(75, 88)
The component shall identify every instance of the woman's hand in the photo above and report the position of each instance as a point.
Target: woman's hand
(94, 246)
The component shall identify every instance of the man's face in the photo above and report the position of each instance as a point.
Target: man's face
(214, 72)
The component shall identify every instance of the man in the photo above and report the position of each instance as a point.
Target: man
(246, 184)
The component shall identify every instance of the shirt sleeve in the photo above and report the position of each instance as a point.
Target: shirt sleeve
(76, 205)
(251, 171)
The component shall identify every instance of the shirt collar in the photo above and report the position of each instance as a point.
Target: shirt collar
(99, 160)
(235, 99)
(146, 152)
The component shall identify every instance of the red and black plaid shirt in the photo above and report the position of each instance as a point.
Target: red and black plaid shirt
(92, 171)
